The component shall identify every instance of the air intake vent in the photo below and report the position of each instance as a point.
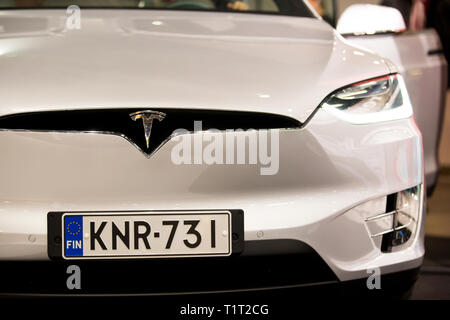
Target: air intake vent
(396, 225)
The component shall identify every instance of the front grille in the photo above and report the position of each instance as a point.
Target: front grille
(119, 122)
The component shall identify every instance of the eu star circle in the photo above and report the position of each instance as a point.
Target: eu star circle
(73, 228)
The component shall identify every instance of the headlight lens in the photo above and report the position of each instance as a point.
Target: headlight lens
(374, 100)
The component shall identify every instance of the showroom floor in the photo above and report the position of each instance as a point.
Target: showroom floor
(434, 280)
(444, 148)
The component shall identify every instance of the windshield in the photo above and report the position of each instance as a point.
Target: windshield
(285, 7)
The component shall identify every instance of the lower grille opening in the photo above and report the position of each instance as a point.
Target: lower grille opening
(167, 276)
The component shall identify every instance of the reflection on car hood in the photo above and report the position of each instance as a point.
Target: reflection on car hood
(164, 59)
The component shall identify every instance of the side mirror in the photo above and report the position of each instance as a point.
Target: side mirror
(369, 19)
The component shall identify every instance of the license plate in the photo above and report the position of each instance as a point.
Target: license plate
(153, 234)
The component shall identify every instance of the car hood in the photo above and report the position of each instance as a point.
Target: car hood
(164, 59)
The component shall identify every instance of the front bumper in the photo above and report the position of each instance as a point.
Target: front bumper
(296, 273)
(302, 267)
(325, 170)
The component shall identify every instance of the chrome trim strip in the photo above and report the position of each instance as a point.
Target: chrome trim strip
(396, 211)
(148, 156)
(391, 230)
(380, 216)
(98, 132)
(394, 214)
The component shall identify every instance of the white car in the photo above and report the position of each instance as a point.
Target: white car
(126, 146)
(419, 57)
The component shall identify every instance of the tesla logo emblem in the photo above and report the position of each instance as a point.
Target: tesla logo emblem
(147, 117)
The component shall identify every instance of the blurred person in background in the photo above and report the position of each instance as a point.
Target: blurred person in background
(318, 6)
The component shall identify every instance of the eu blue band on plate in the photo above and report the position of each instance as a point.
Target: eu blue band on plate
(73, 236)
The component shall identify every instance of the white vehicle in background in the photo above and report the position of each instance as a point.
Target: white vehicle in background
(87, 141)
(419, 58)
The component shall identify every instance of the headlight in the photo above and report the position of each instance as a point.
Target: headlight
(374, 100)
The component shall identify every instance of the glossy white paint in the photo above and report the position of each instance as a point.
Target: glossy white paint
(369, 19)
(426, 79)
(44, 172)
(201, 60)
(227, 61)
